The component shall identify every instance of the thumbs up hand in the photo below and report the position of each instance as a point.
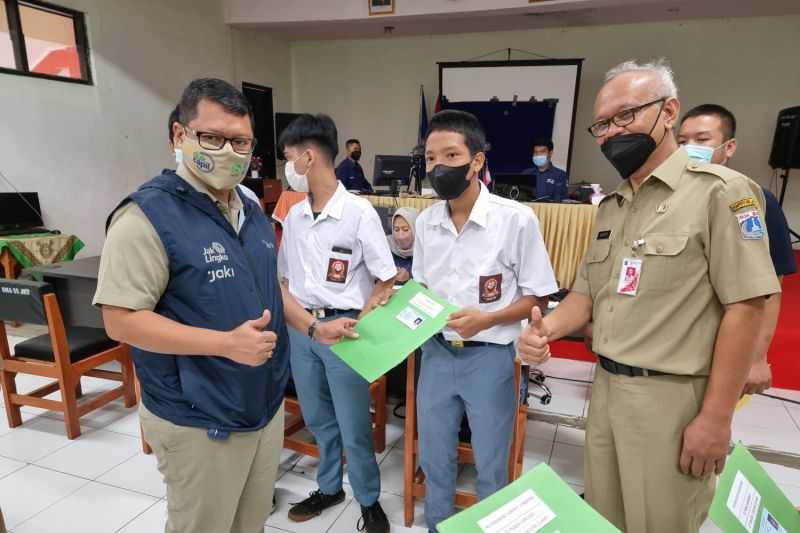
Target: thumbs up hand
(249, 344)
(533, 345)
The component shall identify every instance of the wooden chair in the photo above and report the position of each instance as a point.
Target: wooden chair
(65, 355)
(272, 192)
(414, 477)
(295, 422)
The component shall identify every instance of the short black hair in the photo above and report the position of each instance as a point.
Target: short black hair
(725, 117)
(351, 141)
(215, 90)
(319, 130)
(173, 118)
(461, 122)
(543, 141)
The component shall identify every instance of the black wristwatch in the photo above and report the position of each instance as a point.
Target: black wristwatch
(313, 328)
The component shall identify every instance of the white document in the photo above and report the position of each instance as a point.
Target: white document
(425, 304)
(526, 513)
(744, 501)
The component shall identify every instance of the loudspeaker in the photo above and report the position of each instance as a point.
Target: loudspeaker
(786, 143)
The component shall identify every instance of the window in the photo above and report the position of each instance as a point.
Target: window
(42, 40)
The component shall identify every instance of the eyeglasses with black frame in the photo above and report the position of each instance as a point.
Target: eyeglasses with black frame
(621, 119)
(215, 141)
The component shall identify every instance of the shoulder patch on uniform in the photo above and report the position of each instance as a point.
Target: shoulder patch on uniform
(750, 225)
(741, 204)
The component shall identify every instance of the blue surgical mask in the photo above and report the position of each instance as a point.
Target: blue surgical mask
(540, 160)
(700, 153)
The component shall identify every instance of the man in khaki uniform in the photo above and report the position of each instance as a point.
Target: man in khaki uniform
(188, 278)
(675, 280)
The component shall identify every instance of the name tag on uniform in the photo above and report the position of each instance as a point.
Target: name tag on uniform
(490, 288)
(629, 276)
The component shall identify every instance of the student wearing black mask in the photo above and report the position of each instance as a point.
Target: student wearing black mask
(486, 255)
(349, 171)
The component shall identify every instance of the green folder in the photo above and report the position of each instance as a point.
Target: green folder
(388, 333)
(539, 501)
(747, 500)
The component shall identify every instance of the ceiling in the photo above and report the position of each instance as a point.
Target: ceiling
(455, 16)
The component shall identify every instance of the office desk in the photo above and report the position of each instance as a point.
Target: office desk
(566, 229)
(74, 283)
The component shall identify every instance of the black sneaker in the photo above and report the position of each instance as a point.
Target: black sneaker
(313, 506)
(373, 519)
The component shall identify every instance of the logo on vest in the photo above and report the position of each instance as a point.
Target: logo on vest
(268, 244)
(215, 253)
(203, 161)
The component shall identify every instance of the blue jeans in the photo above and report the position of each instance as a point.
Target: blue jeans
(335, 402)
(479, 381)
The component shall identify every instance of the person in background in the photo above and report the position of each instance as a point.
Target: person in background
(349, 171)
(401, 241)
(551, 181)
(708, 133)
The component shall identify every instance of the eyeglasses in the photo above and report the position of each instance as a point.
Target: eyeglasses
(215, 141)
(623, 118)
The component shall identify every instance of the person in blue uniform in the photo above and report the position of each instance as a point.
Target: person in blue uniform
(551, 181)
(349, 171)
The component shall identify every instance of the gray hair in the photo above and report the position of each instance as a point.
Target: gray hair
(659, 69)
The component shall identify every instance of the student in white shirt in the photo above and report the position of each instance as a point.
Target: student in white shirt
(486, 255)
(336, 262)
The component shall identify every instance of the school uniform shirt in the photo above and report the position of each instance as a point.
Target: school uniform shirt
(498, 257)
(333, 259)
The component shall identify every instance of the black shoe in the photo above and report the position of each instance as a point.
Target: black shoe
(313, 506)
(373, 519)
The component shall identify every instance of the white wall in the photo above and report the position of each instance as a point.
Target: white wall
(371, 87)
(83, 148)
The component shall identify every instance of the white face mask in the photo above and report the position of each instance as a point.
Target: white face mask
(298, 182)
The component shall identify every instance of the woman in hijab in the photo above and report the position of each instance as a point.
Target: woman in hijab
(401, 241)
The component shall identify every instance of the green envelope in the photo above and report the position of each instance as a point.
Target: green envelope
(388, 333)
(747, 500)
(539, 501)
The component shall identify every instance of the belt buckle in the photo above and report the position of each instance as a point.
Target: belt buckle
(318, 313)
(457, 344)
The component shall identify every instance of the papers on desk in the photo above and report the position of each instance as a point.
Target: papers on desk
(538, 502)
(747, 500)
(387, 334)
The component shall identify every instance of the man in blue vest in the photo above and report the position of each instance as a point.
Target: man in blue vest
(188, 278)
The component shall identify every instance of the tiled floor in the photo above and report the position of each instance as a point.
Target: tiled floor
(101, 482)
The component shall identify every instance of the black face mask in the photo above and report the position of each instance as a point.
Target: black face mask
(630, 151)
(356, 155)
(449, 182)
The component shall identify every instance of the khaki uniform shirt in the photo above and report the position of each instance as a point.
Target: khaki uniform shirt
(134, 268)
(697, 256)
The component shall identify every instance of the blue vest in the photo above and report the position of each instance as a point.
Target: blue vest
(217, 280)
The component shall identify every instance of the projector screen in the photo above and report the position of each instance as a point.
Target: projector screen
(475, 81)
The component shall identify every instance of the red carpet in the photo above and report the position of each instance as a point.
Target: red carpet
(784, 352)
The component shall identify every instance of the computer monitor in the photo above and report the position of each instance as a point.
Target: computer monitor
(20, 210)
(389, 168)
(520, 187)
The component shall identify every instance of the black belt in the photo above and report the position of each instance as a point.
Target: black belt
(328, 312)
(463, 344)
(627, 370)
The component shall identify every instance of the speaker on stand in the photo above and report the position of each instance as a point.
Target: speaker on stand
(785, 153)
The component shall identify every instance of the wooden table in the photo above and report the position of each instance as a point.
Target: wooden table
(566, 229)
